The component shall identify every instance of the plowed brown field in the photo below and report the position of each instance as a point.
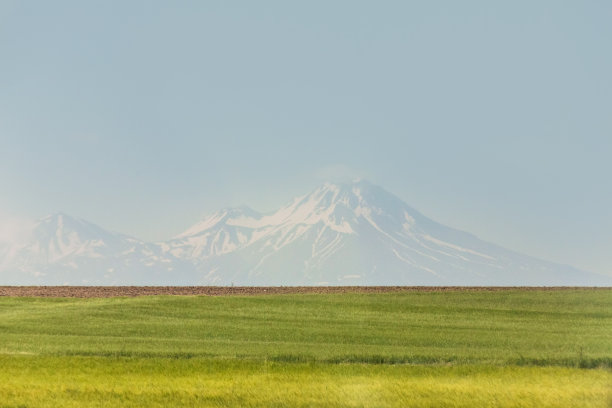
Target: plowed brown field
(132, 291)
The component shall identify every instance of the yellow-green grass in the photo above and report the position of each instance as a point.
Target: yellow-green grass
(34, 381)
(423, 349)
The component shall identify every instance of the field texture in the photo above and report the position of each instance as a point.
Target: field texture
(405, 348)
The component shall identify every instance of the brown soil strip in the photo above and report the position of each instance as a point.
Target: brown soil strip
(132, 291)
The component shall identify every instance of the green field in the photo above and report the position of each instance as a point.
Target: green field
(510, 348)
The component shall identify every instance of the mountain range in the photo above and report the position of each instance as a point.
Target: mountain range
(339, 234)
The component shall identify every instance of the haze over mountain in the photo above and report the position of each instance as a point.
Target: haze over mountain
(340, 234)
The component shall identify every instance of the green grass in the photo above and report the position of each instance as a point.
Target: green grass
(509, 348)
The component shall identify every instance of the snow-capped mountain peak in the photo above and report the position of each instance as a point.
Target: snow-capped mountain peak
(350, 233)
(62, 249)
(230, 216)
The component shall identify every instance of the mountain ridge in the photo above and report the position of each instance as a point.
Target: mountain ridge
(339, 234)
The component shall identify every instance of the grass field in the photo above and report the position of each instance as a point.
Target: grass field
(508, 348)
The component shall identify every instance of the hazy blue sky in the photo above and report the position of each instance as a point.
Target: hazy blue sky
(491, 117)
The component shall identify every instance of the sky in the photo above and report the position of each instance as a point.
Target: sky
(143, 116)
